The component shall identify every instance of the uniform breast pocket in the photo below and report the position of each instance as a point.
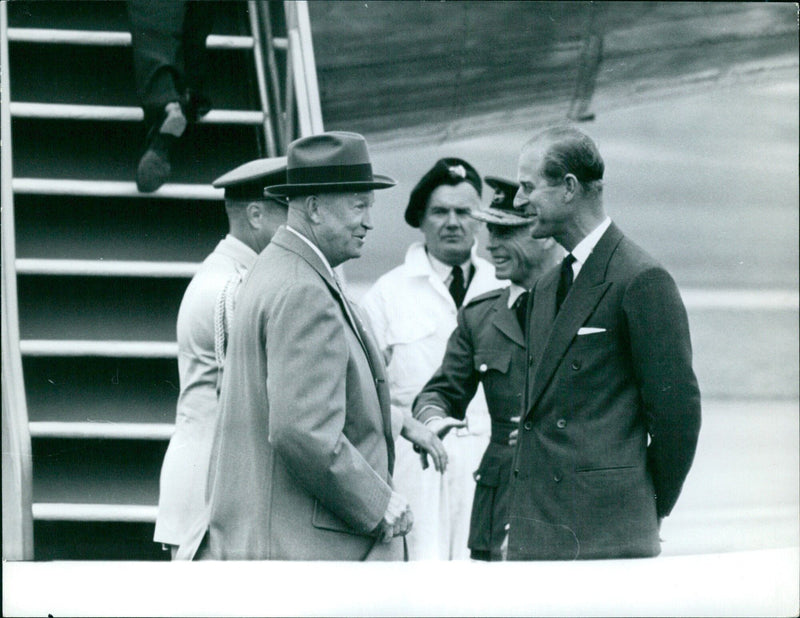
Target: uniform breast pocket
(487, 361)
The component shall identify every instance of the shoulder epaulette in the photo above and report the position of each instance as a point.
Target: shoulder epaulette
(492, 294)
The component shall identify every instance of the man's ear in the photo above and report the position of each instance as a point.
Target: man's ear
(312, 205)
(255, 214)
(571, 187)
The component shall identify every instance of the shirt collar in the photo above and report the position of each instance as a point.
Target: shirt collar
(584, 248)
(236, 249)
(514, 292)
(445, 271)
(314, 248)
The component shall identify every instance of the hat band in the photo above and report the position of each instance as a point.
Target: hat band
(329, 174)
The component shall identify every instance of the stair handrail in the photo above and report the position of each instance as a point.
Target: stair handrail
(16, 438)
(302, 67)
(261, 78)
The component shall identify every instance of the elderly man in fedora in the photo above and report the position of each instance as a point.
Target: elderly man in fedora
(304, 448)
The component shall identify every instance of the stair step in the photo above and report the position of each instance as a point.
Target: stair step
(101, 430)
(113, 188)
(115, 113)
(121, 349)
(117, 38)
(123, 39)
(54, 511)
(105, 268)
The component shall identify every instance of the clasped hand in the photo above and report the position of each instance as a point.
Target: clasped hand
(393, 525)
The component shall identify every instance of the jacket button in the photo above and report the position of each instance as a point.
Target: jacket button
(528, 425)
(557, 477)
(477, 477)
(561, 423)
(576, 364)
(483, 368)
(530, 359)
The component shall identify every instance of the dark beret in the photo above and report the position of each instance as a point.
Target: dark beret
(447, 171)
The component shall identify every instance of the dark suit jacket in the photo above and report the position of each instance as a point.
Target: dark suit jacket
(303, 452)
(486, 347)
(586, 483)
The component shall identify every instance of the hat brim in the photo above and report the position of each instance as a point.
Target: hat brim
(378, 182)
(500, 217)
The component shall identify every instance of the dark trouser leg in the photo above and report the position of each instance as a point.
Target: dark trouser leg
(199, 20)
(157, 34)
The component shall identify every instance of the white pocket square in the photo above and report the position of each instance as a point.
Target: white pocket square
(590, 330)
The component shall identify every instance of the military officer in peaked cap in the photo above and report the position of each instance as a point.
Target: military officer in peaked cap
(412, 309)
(203, 324)
(488, 348)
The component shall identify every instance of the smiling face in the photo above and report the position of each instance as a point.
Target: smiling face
(538, 198)
(343, 220)
(517, 255)
(449, 230)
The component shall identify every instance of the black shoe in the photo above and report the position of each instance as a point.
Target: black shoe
(154, 167)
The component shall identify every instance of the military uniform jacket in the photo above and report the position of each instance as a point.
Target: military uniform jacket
(303, 451)
(610, 370)
(487, 347)
(182, 488)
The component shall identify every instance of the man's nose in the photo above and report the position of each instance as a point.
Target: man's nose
(520, 199)
(452, 218)
(366, 220)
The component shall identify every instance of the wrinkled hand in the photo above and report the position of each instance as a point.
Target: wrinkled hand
(514, 435)
(425, 442)
(391, 527)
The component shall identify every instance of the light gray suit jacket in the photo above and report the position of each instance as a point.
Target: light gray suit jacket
(303, 452)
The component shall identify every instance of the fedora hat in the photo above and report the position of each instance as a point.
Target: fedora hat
(332, 162)
(501, 211)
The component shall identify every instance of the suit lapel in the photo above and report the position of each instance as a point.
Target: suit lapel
(290, 241)
(376, 364)
(505, 320)
(586, 292)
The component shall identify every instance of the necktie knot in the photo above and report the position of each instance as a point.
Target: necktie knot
(457, 288)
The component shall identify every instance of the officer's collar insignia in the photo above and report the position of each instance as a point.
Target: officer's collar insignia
(457, 171)
(499, 197)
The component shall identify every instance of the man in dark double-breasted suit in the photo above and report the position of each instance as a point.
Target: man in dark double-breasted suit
(611, 415)
(488, 347)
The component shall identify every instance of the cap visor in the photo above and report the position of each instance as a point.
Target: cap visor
(500, 217)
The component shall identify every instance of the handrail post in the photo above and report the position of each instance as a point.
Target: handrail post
(16, 438)
(258, 59)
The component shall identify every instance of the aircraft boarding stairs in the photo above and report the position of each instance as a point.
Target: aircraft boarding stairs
(100, 268)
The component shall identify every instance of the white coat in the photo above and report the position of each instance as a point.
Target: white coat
(412, 315)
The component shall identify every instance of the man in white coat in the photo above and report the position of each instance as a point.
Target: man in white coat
(412, 310)
(203, 321)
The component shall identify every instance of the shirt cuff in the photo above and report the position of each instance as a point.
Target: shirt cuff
(429, 412)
